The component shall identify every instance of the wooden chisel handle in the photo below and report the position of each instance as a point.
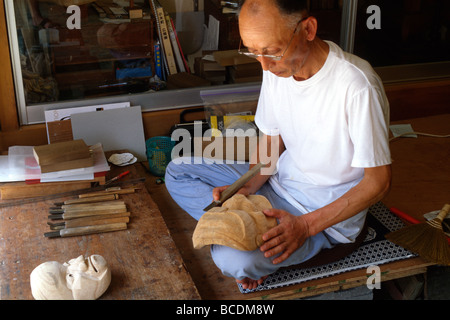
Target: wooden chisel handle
(93, 199)
(80, 231)
(94, 221)
(81, 214)
(88, 209)
(95, 205)
(86, 221)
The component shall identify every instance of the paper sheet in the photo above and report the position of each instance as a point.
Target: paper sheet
(118, 129)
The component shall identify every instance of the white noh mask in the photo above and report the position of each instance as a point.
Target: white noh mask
(79, 279)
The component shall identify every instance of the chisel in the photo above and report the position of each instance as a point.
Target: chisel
(106, 197)
(97, 206)
(232, 189)
(80, 214)
(80, 231)
(91, 221)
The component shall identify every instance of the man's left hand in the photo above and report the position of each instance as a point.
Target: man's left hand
(286, 237)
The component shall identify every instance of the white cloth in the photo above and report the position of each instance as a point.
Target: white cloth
(333, 125)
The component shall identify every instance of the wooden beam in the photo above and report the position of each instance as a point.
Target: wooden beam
(8, 110)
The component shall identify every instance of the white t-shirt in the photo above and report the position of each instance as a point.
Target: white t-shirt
(333, 125)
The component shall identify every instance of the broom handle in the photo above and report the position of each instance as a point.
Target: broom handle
(408, 218)
(443, 213)
(403, 215)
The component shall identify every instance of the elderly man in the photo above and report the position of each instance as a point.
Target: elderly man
(328, 115)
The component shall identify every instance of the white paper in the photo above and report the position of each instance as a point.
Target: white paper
(65, 114)
(119, 129)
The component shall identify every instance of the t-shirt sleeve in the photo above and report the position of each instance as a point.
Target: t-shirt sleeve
(265, 118)
(368, 120)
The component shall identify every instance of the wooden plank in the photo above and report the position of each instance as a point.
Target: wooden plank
(8, 112)
(144, 260)
(21, 190)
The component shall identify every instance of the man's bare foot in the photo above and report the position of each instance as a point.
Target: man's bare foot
(251, 284)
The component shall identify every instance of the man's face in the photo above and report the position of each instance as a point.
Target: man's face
(267, 32)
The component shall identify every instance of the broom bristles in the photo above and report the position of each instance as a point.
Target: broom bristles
(426, 239)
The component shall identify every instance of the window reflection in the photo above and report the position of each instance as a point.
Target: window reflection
(412, 31)
(110, 54)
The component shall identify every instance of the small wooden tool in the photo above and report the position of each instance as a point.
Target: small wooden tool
(106, 197)
(80, 231)
(97, 206)
(113, 190)
(81, 214)
(90, 221)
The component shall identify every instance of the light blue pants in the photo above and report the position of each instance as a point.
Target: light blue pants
(190, 185)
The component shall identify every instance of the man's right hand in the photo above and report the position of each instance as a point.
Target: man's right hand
(218, 190)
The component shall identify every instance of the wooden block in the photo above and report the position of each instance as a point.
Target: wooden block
(68, 165)
(50, 154)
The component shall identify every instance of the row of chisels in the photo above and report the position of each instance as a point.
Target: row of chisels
(98, 212)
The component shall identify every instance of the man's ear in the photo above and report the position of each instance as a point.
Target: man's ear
(310, 28)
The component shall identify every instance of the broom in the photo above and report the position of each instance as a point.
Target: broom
(427, 239)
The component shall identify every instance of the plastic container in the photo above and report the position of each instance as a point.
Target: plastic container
(159, 151)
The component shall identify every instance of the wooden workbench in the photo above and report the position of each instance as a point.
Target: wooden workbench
(421, 176)
(144, 261)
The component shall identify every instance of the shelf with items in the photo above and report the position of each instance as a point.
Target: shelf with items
(98, 59)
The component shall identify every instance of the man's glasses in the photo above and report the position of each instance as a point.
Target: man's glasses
(273, 57)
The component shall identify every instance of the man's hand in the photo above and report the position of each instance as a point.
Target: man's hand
(286, 237)
(218, 190)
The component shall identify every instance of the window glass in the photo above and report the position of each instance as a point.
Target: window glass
(404, 32)
(81, 49)
(328, 14)
(91, 49)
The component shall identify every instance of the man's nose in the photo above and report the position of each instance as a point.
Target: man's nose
(265, 63)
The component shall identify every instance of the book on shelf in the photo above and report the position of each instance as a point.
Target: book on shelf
(176, 49)
(180, 59)
(158, 60)
(172, 55)
(165, 39)
(165, 68)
